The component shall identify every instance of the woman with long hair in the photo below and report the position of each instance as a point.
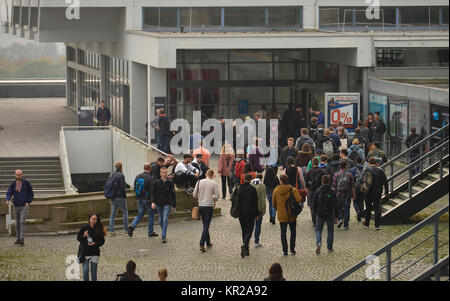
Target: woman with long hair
(130, 274)
(294, 174)
(162, 274)
(247, 170)
(225, 163)
(275, 273)
(91, 238)
(303, 157)
(271, 181)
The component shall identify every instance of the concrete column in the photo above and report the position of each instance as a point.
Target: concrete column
(343, 78)
(365, 93)
(310, 16)
(157, 87)
(103, 68)
(138, 103)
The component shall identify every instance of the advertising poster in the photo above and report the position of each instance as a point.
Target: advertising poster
(378, 103)
(343, 107)
(419, 117)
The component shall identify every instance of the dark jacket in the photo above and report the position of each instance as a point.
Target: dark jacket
(303, 159)
(336, 139)
(286, 152)
(122, 186)
(323, 140)
(248, 202)
(163, 193)
(85, 249)
(164, 125)
(202, 167)
(255, 159)
(305, 139)
(332, 201)
(155, 171)
(379, 180)
(412, 140)
(122, 278)
(148, 186)
(103, 113)
(379, 128)
(268, 279)
(26, 194)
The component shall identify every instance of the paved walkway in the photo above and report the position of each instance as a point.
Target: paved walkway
(34, 131)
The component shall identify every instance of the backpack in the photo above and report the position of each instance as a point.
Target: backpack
(317, 179)
(234, 210)
(367, 182)
(111, 187)
(139, 187)
(238, 168)
(343, 144)
(343, 184)
(378, 157)
(328, 148)
(323, 209)
(292, 205)
(358, 176)
(354, 153)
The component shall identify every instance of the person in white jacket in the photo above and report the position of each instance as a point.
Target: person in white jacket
(206, 192)
(185, 174)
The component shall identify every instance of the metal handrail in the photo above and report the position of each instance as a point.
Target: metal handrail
(388, 248)
(65, 165)
(434, 270)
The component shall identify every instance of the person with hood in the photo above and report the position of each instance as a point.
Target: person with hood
(226, 159)
(237, 167)
(255, 155)
(261, 191)
(285, 217)
(356, 151)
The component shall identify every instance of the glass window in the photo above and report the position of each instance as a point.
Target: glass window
(284, 17)
(245, 17)
(398, 124)
(412, 57)
(419, 117)
(197, 17)
(285, 71)
(445, 16)
(254, 71)
(434, 16)
(206, 72)
(290, 56)
(387, 18)
(329, 17)
(414, 16)
(199, 56)
(250, 56)
(164, 17)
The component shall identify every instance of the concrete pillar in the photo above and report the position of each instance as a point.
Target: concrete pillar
(343, 78)
(138, 100)
(103, 68)
(365, 93)
(310, 16)
(157, 87)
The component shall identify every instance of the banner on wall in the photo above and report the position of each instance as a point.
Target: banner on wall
(378, 103)
(343, 107)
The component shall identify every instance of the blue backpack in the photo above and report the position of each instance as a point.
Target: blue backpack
(111, 188)
(139, 187)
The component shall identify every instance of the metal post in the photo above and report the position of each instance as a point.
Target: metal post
(440, 162)
(392, 173)
(388, 264)
(420, 158)
(436, 247)
(410, 181)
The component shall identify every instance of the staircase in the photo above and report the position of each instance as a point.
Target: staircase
(410, 191)
(44, 174)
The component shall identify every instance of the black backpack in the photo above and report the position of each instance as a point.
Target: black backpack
(291, 203)
(234, 210)
(317, 179)
(323, 199)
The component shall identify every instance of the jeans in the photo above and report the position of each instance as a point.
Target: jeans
(94, 266)
(122, 204)
(21, 218)
(311, 206)
(320, 222)
(158, 139)
(247, 226)
(206, 213)
(258, 228)
(358, 204)
(416, 169)
(373, 202)
(224, 186)
(293, 229)
(272, 211)
(145, 206)
(163, 216)
(344, 208)
(165, 143)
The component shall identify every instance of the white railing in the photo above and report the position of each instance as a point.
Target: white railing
(65, 166)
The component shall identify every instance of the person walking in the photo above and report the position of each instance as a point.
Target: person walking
(344, 186)
(412, 140)
(288, 151)
(357, 172)
(119, 199)
(327, 145)
(378, 154)
(154, 123)
(130, 274)
(356, 151)
(206, 192)
(142, 188)
(164, 131)
(21, 193)
(305, 138)
(226, 160)
(248, 212)
(325, 207)
(91, 238)
(379, 129)
(313, 182)
(285, 217)
(374, 193)
(237, 167)
(261, 191)
(271, 181)
(103, 115)
(163, 200)
(303, 158)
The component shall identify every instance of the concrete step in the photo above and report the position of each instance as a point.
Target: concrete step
(33, 176)
(13, 166)
(2, 159)
(42, 180)
(26, 172)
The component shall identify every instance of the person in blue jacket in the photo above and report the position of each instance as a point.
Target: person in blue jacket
(21, 193)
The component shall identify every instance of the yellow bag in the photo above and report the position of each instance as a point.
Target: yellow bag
(195, 213)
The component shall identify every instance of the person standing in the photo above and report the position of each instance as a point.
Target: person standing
(248, 212)
(412, 140)
(285, 217)
(379, 155)
(103, 115)
(119, 199)
(261, 191)
(379, 128)
(225, 163)
(271, 181)
(313, 182)
(357, 172)
(154, 123)
(373, 197)
(164, 131)
(142, 187)
(163, 200)
(344, 186)
(305, 138)
(206, 192)
(325, 207)
(21, 193)
(237, 167)
(91, 238)
(288, 151)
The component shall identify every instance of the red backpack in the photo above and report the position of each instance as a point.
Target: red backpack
(239, 168)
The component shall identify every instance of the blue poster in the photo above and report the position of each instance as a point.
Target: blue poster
(378, 103)
(243, 107)
(342, 107)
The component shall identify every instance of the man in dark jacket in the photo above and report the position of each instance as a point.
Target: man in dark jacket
(412, 140)
(22, 193)
(379, 128)
(248, 212)
(373, 198)
(288, 151)
(313, 182)
(328, 149)
(305, 138)
(325, 207)
(143, 184)
(163, 200)
(103, 115)
(119, 199)
(165, 134)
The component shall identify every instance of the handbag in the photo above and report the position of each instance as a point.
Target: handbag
(195, 213)
(303, 192)
(234, 210)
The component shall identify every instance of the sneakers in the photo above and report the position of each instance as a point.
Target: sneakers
(285, 254)
(17, 242)
(339, 224)
(345, 228)
(21, 242)
(258, 245)
(164, 240)
(247, 252)
(130, 231)
(272, 220)
(330, 250)
(153, 234)
(202, 249)
(365, 225)
(318, 249)
(293, 252)
(112, 233)
(209, 246)
(377, 228)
